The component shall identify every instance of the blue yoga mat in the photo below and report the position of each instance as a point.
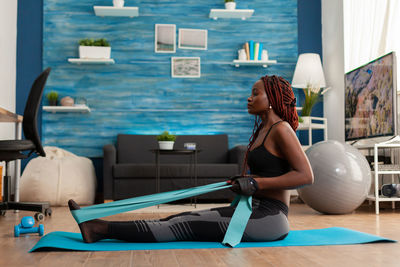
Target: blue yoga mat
(314, 237)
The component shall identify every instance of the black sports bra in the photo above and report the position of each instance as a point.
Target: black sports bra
(262, 163)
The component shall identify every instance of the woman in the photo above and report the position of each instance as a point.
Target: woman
(276, 162)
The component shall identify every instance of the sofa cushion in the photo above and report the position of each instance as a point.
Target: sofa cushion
(131, 170)
(136, 148)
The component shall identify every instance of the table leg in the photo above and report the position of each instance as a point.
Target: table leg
(17, 166)
(158, 174)
(195, 176)
(191, 162)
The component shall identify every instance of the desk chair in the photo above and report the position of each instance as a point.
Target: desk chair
(12, 150)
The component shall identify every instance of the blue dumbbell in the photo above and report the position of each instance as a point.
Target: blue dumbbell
(26, 226)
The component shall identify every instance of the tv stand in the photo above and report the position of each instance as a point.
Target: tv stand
(381, 168)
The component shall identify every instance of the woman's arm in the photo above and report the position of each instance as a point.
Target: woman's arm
(289, 147)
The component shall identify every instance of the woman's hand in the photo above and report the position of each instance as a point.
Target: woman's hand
(243, 185)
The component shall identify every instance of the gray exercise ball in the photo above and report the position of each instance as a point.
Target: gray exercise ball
(342, 178)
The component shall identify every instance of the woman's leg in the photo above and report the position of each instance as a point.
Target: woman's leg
(207, 225)
(267, 222)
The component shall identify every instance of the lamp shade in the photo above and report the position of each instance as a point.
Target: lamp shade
(308, 72)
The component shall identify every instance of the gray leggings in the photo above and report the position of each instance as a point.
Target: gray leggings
(268, 222)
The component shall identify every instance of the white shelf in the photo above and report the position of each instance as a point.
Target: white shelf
(311, 125)
(231, 14)
(384, 169)
(91, 61)
(382, 198)
(264, 63)
(76, 108)
(110, 11)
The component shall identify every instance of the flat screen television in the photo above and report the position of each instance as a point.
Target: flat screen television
(370, 99)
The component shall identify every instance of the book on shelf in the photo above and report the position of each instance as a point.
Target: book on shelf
(256, 47)
(253, 50)
(260, 51)
(251, 47)
(246, 47)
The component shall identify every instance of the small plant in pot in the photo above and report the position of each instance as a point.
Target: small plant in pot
(312, 96)
(166, 141)
(52, 97)
(90, 48)
(230, 4)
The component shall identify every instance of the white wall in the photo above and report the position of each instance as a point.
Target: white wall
(333, 62)
(8, 55)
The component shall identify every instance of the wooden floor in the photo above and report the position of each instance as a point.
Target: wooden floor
(14, 251)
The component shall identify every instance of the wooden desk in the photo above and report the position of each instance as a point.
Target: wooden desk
(8, 116)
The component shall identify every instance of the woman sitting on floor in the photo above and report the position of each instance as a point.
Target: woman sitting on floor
(276, 162)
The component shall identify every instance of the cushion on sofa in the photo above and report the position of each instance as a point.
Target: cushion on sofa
(131, 170)
(135, 148)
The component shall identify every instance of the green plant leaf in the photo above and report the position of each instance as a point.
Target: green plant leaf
(165, 136)
(310, 100)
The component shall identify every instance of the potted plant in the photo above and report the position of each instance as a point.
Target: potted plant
(230, 4)
(99, 48)
(312, 96)
(166, 141)
(52, 97)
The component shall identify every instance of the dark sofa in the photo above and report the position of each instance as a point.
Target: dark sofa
(129, 168)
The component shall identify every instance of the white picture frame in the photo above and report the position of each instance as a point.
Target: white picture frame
(185, 67)
(192, 39)
(165, 38)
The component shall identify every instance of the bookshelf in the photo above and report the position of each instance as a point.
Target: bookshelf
(264, 63)
(110, 11)
(91, 61)
(75, 108)
(231, 14)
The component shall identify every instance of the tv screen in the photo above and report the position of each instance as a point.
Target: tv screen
(370, 99)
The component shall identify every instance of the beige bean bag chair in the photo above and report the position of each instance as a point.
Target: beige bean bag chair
(59, 177)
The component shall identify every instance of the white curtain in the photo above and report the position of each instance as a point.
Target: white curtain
(371, 29)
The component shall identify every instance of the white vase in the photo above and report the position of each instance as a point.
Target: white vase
(230, 5)
(166, 145)
(242, 54)
(118, 3)
(94, 51)
(264, 55)
(306, 120)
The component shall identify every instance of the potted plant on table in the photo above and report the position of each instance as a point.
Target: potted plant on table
(230, 4)
(312, 96)
(52, 97)
(166, 141)
(90, 48)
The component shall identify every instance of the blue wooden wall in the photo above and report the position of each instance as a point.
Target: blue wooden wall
(137, 95)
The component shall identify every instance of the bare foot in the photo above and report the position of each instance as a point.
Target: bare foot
(92, 231)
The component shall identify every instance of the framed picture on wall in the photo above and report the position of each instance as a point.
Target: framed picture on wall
(192, 39)
(185, 67)
(165, 38)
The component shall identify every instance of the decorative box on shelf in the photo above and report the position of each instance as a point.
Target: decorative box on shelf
(264, 63)
(75, 108)
(111, 11)
(91, 61)
(231, 13)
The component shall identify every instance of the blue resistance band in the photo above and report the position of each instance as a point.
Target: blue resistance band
(233, 234)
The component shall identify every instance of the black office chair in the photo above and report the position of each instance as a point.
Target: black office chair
(12, 150)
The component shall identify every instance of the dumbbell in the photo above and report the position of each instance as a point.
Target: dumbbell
(26, 226)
